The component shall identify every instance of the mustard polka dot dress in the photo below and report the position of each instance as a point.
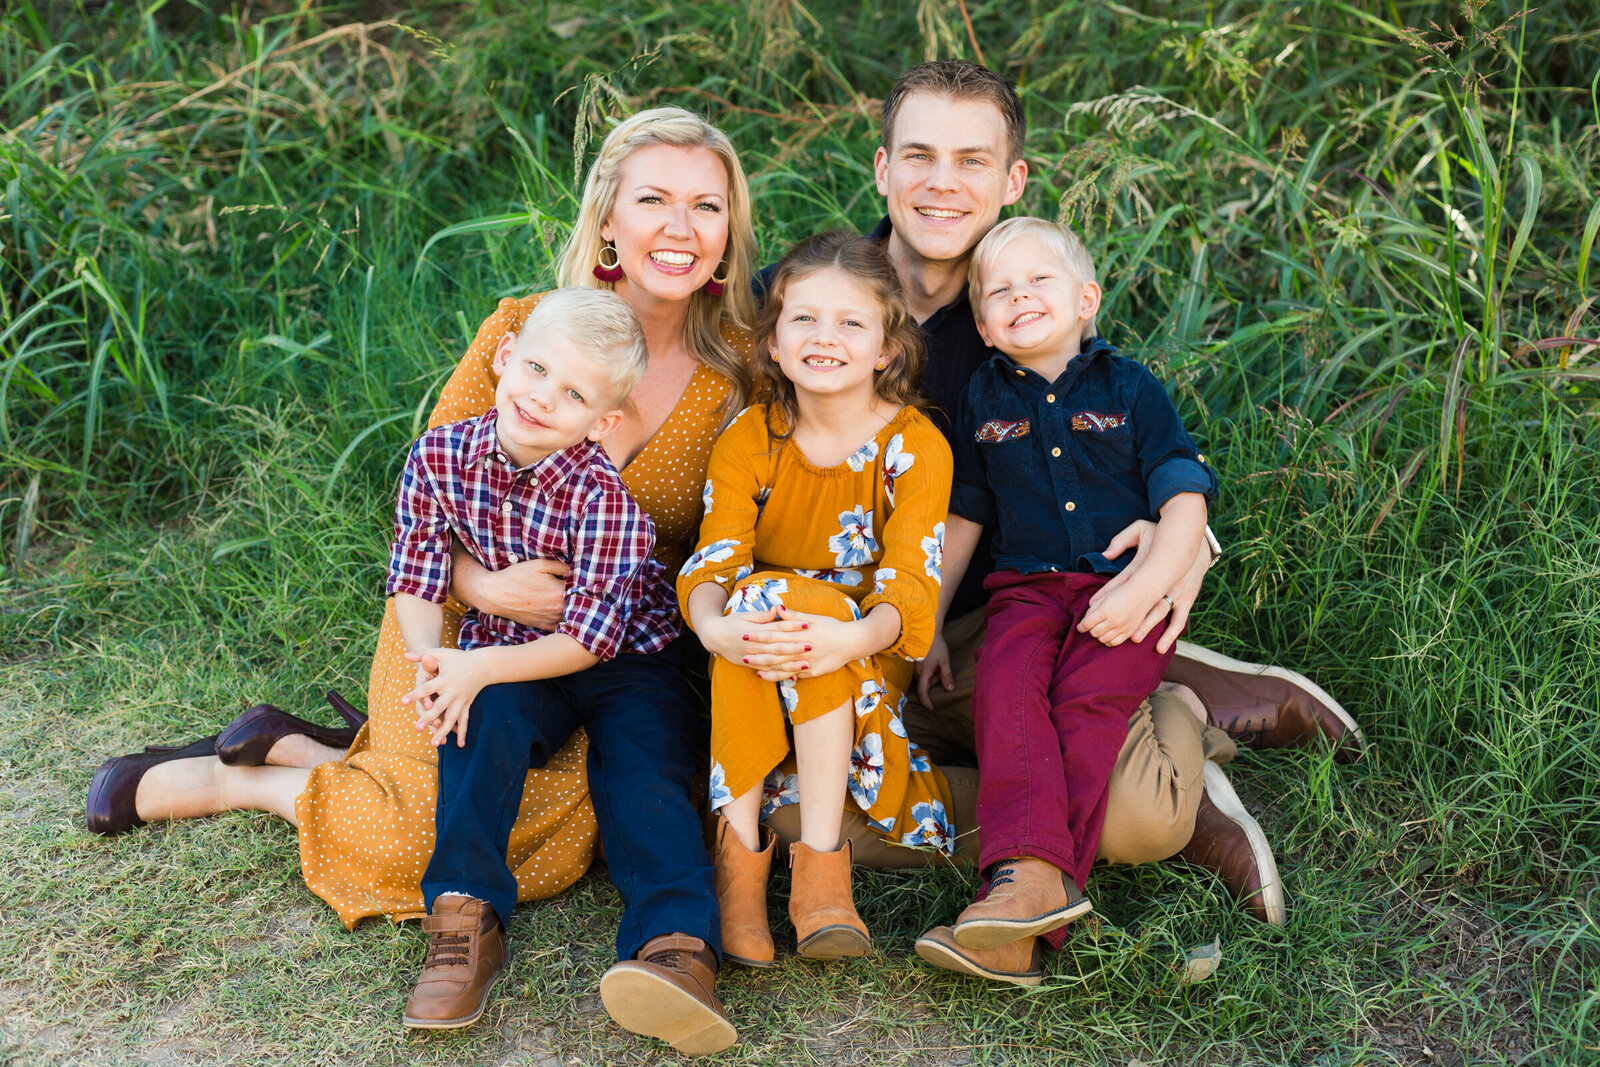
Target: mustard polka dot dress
(366, 822)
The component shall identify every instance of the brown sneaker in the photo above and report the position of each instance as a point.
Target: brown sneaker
(1262, 706)
(1228, 841)
(669, 992)
(1015, 964)
(466, 957)
(1027, 897)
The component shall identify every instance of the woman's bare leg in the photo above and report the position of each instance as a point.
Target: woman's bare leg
(822, 756)
(190, 788)
(298, 750)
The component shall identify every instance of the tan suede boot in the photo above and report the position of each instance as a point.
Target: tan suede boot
(742, 897)
(826, 926)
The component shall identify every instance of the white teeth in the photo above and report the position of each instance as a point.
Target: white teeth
(939, 213)
(1027, 317)
(820, 361)
(673, 259)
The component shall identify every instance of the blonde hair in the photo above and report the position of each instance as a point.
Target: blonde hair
(1061, 240)
(864, 260)
(710, 317)
(602, 326)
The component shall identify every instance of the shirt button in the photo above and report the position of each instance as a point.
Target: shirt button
(511, 557)
(1019, 374)
(1050, 398)
(1071, 506)
(506, 507)
(1055, 451)
(1201, 456)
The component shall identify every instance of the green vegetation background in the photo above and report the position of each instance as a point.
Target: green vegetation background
(241, 249)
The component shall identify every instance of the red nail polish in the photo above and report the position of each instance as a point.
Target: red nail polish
(747, 659)
(805, 626)
(807, 648)
(744, 637)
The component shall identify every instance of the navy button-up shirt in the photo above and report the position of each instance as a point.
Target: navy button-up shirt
(1059, 468)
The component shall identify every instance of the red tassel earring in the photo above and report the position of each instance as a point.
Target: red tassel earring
(609, 272)
(716, 286)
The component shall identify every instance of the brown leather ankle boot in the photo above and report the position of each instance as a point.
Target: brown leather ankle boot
(826, 926)
(669, 992)
(742, 897)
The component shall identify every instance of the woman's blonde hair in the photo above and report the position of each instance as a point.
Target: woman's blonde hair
(710, 317)
(864, 260)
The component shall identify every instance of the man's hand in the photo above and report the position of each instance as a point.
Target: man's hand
(935, 666)
(532, 592)
(1179, 599)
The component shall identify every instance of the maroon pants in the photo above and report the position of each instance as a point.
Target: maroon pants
(1051, 708)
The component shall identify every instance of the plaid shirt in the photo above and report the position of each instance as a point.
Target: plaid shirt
(570, 506)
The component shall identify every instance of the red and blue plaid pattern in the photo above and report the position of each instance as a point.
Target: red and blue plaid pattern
(570, 506)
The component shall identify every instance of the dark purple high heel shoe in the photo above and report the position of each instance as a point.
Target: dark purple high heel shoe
(245, 741)
(109, 808)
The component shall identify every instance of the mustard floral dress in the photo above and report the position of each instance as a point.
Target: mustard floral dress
(832, 541)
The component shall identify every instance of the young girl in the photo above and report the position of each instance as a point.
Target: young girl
(815, 582)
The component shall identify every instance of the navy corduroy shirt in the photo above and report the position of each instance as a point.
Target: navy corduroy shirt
(1058, 468)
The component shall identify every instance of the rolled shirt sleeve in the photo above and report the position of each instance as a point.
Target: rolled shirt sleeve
(1168, 460)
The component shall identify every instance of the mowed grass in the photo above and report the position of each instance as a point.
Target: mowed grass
(240, 252)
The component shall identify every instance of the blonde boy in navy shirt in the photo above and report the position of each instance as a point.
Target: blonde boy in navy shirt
(1059, 444)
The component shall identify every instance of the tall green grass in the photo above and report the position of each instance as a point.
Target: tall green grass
(240, 251)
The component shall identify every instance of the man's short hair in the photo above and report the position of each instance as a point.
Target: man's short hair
(1063, 242)
(602, 325)
(960, 80)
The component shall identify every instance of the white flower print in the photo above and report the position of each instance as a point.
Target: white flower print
(761, 500)
(859, 459)
(705, 496)
(933, 549)
(931, 827)
(779, 790)
(866, 770)
(719, 791)
(744, 571)
(832, 574)
(919, 760)
(895, 463)
(871, 696)
(881, 579)
(757, 596)
(897, 725)
(789, 697)
(854, 543)
(715, 552)
(885, 825)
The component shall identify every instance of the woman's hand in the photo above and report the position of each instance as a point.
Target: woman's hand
(532, 592)
(1178, 600)
(831, 643)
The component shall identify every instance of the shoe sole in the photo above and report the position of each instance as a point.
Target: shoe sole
(1226, 801)
(464, 1020)
(1201, 654)
(745, 961)
(941, 955)
(834, 943)
(995, 933)
(645, 1003)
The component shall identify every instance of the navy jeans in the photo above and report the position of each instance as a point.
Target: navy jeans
(640, 720)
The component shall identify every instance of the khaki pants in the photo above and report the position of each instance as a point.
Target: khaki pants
(1154, 792)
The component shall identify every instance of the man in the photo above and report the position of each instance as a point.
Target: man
(950, 158)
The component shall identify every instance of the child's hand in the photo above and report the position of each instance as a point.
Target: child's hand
(935, 666)
(1118, 615)
(445, 695)
(760, 640)
(829, 644)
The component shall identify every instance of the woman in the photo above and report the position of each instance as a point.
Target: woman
(665, 221)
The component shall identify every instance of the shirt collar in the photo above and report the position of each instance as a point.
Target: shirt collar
(1092, 350)
(482, 446)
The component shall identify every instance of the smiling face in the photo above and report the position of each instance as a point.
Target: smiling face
(946, 176)
(829, 335)
(1032, 305)
(550, 396)
(669, 222)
